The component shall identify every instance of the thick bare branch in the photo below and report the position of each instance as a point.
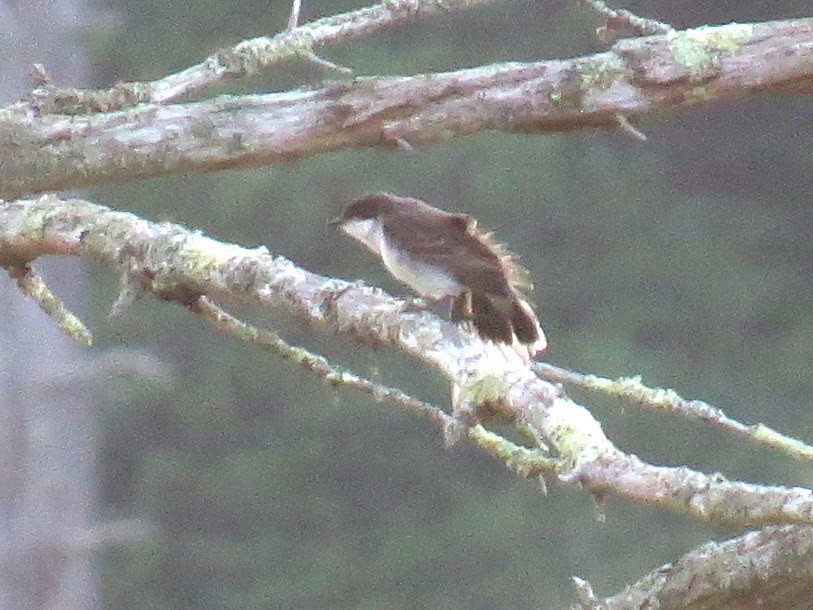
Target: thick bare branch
(636, 77)
(169, 262)
(771, 569)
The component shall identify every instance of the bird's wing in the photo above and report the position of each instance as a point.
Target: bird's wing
(455, 244)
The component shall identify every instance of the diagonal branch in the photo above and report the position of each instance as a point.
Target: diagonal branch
(633, 389)
(636, 77)
(247, 57)
(770, 569)
(33, 285)
(172, 263)
(315, 363)
(523, 461)
(621, 22)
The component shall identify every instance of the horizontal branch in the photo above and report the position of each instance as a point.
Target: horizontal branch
(169, 262)
(636, 77)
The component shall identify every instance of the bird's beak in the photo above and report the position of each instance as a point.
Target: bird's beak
(334, 222)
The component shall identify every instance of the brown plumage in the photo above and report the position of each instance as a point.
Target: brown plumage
(441, 254)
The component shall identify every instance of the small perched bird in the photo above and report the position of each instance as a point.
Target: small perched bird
(440, 255)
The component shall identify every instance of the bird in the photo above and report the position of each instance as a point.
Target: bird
(443, 255)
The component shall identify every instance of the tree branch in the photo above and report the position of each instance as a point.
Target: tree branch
(637, 77)
(171, 263)
(622, 22)
(33, 285)
(523, 461)
(315, 363)
(771, 569)
(633, 389)
(246, 58)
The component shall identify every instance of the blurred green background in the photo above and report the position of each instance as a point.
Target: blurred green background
(686, 259)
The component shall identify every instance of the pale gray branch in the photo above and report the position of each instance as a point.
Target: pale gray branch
(253, 55)
(631, 388)
(637, 77)
(169, 262)
(244, 59)
(621, 22)
(771, 569)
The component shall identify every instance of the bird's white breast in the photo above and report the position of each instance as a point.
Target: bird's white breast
(427, 280)
(369, 232)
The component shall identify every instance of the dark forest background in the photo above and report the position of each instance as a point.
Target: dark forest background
(687, 259)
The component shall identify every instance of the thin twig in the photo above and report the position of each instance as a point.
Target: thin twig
(316, 363)
(528, 463)
(293, 20)
(622, 23)
(659, 398)
(629, 128)
(325, 65)
(247, 57)
(32, 284)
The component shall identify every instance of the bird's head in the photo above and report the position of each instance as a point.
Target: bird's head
(368, 207)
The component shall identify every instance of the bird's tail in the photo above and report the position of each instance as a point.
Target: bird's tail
(526, 326)
(502, 320)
